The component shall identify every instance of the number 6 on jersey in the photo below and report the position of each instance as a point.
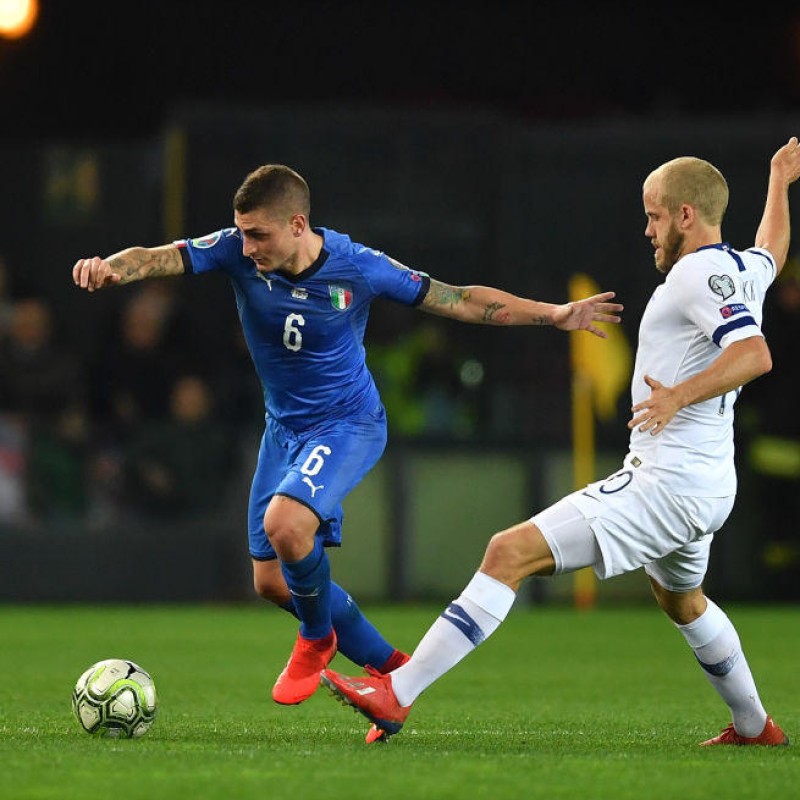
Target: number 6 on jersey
(292, 335)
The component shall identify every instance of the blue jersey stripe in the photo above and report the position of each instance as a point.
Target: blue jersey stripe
(767, 256)
(738, 259)
(740, 322)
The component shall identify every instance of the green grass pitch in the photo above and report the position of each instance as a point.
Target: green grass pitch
(557, 704)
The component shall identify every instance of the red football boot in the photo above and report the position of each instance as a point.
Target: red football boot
(300, 676)
(370, 695)
(395, 660)
(771, 736)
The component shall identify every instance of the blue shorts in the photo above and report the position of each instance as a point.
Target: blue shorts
(318, 468)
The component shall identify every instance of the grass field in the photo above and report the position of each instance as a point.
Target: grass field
(558, 704)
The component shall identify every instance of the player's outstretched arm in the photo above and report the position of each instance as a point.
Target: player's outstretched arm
(132, 264)
(488, 306)
(774, 230)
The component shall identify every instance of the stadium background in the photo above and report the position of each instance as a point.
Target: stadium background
(501, 144)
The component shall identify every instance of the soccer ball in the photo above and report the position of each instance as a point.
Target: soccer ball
(115, 698)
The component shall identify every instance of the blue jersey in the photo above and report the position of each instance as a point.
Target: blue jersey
(305, 332)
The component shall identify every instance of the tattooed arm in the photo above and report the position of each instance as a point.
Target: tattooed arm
(488, 306)
(133, 264)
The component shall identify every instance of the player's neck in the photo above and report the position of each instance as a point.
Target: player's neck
(706, 237)
(307, 253)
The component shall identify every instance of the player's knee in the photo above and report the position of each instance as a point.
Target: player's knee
(290, 528)
(511, 557)
(286, 537)
(289, 543)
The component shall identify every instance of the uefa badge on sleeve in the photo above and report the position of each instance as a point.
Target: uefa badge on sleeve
(204, 242)
(341, 296)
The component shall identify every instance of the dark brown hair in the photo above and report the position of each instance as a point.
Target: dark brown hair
(276, 187)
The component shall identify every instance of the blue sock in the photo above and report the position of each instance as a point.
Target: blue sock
(358, 638)
(309, 581)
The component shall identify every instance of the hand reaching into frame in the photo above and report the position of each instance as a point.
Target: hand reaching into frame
(581, 315)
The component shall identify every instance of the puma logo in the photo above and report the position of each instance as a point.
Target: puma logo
(311, 485)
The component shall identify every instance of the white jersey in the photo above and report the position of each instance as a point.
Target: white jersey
(709, 299)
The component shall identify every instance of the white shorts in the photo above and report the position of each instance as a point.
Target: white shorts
(630, 520)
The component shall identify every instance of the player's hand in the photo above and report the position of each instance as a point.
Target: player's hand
(785, 164)
(94, 273)
(582, 314)
(654, 414)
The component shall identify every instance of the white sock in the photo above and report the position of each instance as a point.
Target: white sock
(462, 626)
(719, 651)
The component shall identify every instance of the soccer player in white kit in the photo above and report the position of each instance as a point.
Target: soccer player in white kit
(700, 341)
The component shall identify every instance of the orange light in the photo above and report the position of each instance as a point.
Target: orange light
(17, 17)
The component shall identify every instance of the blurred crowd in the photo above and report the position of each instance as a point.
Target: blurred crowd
(156, 416)
(135, 423)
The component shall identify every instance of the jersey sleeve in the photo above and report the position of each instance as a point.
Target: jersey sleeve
(389, 278)
(713, 300)
(212, 252)
(767, 261)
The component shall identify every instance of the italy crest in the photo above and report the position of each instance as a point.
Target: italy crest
(341, 296)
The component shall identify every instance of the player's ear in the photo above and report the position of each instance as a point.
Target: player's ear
(686, 216)
(299, 223)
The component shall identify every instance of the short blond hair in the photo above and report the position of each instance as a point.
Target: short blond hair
(694, 182)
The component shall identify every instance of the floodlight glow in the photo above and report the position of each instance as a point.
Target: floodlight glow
(17, 17)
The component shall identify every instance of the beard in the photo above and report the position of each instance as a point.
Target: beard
(671, 250)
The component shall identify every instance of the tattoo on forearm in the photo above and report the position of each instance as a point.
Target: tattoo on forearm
(440, 294)
(138, 263)
(494, 312)
(540, 320)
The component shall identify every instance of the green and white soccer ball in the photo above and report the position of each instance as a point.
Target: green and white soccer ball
(115, 698)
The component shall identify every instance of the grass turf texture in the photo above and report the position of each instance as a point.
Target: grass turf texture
(559, 704)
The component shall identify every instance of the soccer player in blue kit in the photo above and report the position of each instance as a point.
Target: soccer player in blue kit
(303, 296)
